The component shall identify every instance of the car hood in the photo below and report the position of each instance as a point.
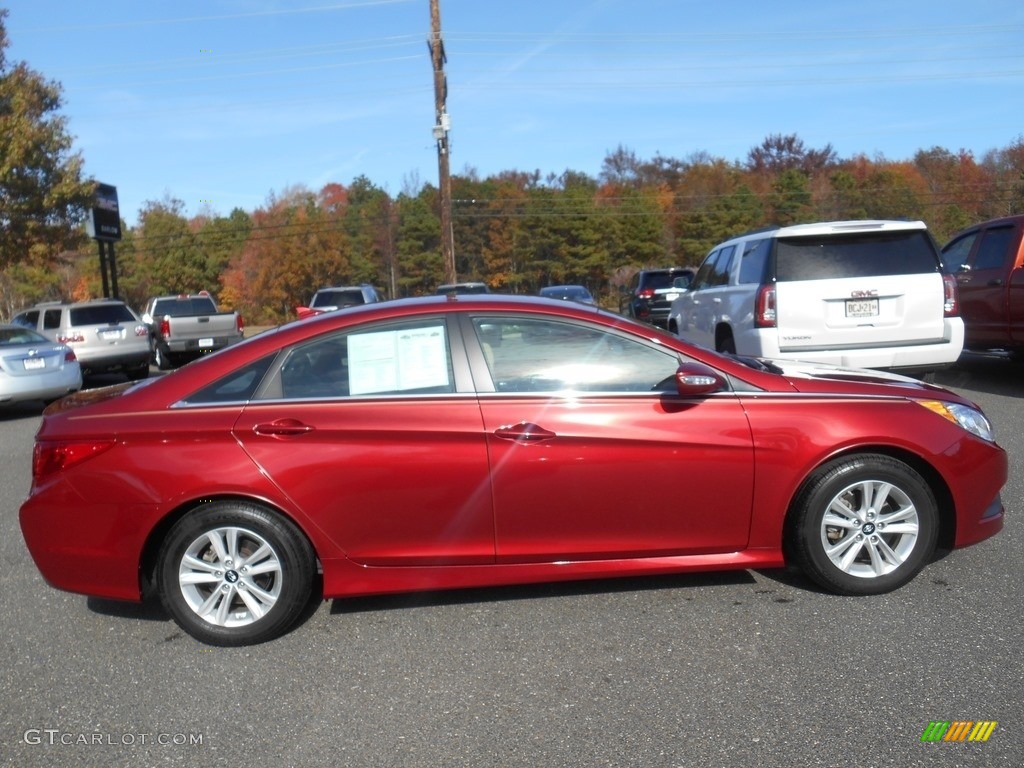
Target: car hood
(820, 377)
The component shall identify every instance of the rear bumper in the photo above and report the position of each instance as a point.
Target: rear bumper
(918, 357)
(210, 343)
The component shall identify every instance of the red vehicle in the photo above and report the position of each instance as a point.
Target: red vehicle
(988, 262)
(394, 447)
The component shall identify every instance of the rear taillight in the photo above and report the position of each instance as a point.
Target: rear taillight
(69, 356)
(765, 314)
(49, 456)
(165, 327)
(951, 303)
(645, 293)
(239, 323)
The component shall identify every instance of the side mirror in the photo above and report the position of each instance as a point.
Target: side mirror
(698, 379)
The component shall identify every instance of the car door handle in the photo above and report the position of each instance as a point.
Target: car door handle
(995, 283)
(524, 432)
(283, 428)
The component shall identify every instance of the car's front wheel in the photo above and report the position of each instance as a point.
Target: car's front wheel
(234, 573)
(863, 525)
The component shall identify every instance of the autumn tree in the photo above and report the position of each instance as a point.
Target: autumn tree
(43, 195)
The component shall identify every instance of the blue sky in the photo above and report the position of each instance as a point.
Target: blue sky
(223, 103)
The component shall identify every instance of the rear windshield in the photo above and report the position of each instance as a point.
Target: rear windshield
(657, 280)
(189, 305)
(102, 314)
(873, 254)
(338, 298)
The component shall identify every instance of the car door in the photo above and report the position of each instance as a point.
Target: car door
(593, 453)
(372, 433)
(982, 281)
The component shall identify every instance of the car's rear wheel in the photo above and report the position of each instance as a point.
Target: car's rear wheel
(863, 525)
(138, 373)
(725, 344)
(162, 357)
(234, 573)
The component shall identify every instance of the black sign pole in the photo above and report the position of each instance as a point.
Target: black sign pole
(103, 269)
(113, 269)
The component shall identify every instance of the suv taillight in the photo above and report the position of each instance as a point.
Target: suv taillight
(765, 315)
(49, 457)
(951, 304)
(645, 293)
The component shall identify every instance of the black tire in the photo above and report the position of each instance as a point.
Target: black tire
(140, 373)
(259, 606)
(870, 549)
(162, 357)
(726, 345)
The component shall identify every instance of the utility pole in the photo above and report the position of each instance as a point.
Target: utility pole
(442, 124)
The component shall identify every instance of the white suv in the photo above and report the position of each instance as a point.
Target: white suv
(866, 294)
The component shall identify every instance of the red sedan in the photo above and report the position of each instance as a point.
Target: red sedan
(478, 440)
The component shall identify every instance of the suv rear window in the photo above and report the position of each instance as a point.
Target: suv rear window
(854, 255)
(657, 280)
(102, 314)
(338, 298)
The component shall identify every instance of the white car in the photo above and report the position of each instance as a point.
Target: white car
(32, 367)
(866, 294)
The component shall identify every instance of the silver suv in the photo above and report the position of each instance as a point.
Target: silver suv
(105, 334)
(866, 294)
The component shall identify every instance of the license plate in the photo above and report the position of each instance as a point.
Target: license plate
(34, 363)
(671, 296)
(206, 342)
(861, 307)
(110, 335)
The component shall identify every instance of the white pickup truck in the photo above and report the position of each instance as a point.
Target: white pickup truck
(186, 326)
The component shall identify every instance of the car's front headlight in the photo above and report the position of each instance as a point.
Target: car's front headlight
(971, 419)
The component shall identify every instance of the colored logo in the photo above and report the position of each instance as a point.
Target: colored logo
(959, 730)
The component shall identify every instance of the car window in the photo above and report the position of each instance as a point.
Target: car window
(955, 255)
(655, 280)
(385, 359)
(855, 255)
(754, 261)
(237, 387)
(100, 314)
(722, 266)
(51, 319)
(704, 272)
(27, 319)
(12, 336)
(544, 355)
(182, 307)
(342, 298)
(994, 248)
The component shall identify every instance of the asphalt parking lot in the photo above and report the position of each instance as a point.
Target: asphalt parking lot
(741, 669)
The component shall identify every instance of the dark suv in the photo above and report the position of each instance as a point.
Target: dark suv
(651, 293)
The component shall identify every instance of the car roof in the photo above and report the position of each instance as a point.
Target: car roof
(851, 226)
